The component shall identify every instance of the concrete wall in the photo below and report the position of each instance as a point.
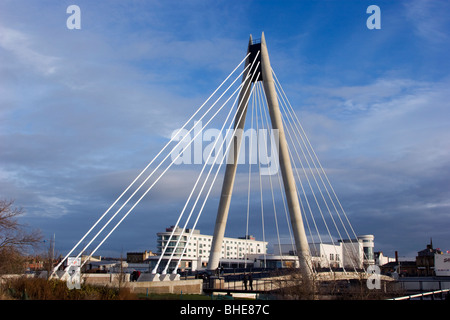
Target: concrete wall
(104, 278)
(176, 287)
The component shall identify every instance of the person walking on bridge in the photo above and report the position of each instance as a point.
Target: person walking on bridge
(245, 282)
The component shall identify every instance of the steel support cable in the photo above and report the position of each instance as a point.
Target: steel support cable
(145, 193)
(296, 121)
(280, 183)
(329, 233)
(281, 188)
(260, 183)
(306, 197)
(309, 183)
(317, 159)
(309, 209)
(288, 116)
(320, 176)
(145, 169)
(249, 179)
(298, 194)
(167, 156)
(303, 211)
(215, 177)
(317, 170)
(195, 203)
(185, 206)
(261, 107)
(179, 218)
(201, 190)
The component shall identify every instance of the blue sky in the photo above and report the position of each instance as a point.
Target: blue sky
(83, 111)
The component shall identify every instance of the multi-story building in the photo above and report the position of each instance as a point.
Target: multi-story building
(425, 260)
(346, 253)
(236, 252)
(358, 253)
(138, 257)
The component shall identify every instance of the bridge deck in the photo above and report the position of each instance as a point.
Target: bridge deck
(225, 290)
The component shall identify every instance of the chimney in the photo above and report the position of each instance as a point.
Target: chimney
(396, 256)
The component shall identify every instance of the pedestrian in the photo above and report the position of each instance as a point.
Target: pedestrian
(245, 282)
(250, 281)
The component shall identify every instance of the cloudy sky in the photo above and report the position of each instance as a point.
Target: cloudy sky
(83, 111)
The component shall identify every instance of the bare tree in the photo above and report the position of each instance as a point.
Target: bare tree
(293, 286)
(14, 238)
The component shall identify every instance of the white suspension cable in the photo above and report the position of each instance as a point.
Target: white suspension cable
(212, 149)
(200, 192)
(249, 182)
(305, 196)
(292, 114)
(260, 183)
(269, 174)
(317, 159)
(218, 169)
(145, 169)
(145, 193)
(297, 121)
(289, 227)
(316, 183)
(298, 194)
(185, 206)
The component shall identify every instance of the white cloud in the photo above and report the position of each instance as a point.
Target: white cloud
(21, 45)
(430, 19)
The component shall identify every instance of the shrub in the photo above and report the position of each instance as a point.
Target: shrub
(42, 289)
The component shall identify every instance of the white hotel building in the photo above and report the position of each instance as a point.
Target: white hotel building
(236, 252)
(248, 252)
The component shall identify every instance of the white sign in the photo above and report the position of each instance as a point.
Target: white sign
(442, 264)
(73, 281)
(74, 262)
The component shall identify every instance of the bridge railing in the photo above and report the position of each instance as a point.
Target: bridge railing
(220, 283)
(432, 295)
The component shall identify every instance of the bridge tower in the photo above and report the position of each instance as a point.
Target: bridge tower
(265, 75)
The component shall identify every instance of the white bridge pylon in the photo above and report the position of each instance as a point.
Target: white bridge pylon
(302, 182)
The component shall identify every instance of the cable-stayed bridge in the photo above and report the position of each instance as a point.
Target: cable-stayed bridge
(261, 133)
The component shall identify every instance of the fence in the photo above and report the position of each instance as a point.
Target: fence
(433, 295)
(256, 285)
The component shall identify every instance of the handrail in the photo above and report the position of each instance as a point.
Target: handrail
(409, 297)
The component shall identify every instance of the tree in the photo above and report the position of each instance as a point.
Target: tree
(15, 239)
